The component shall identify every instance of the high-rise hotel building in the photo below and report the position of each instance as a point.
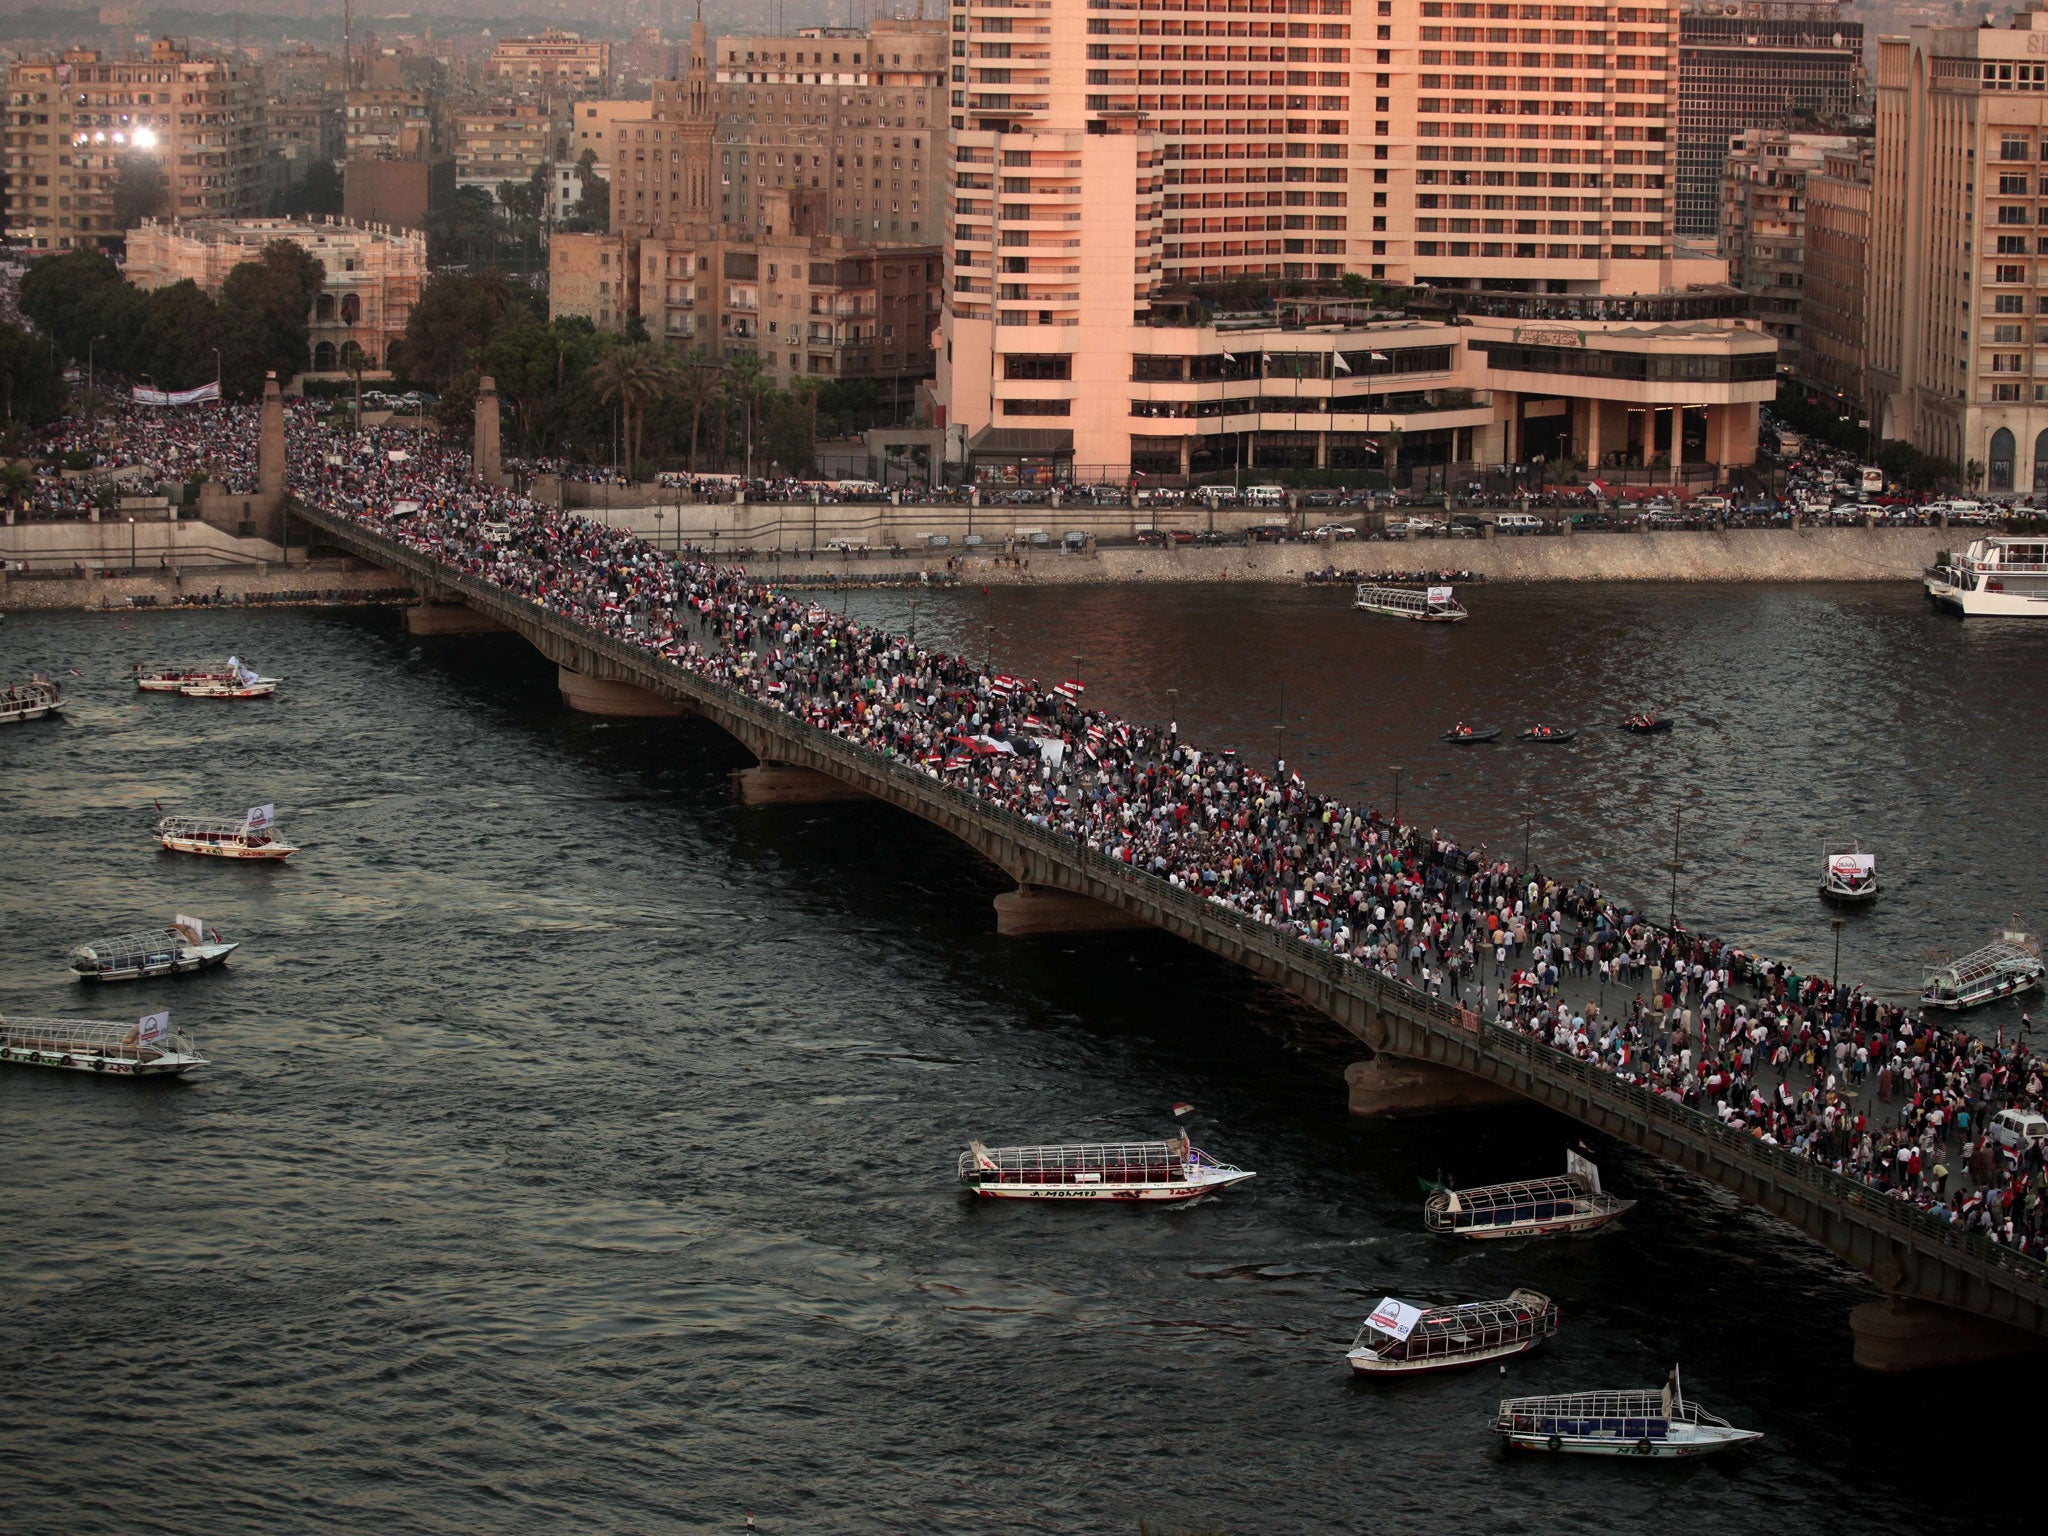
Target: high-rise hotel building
(1121, 168)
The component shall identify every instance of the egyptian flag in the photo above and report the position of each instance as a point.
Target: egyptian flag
(1070, 690)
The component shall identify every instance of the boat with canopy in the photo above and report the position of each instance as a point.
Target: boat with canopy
(147, 1048)
(1400, 1339)
(253, 837)
(170, 676)
(242, 682)
(2009, 964)
(184, 947)
(1656, 1424)
(1847, 873)
(1143, 1172)
(1425, 605)
(36, 699)
(1527, 1207)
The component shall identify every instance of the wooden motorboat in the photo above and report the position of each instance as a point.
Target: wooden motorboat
(1526, 1207)
(1657, 1424)
(1470, 735)
(37, 699)
(1647, 724)
(1548, 733)
(179, 950)
(2008, 965)
(221, 837)
(1403, 1340)
(262, 688)
(170, 676)
(1847, 873)
(1144, 1172)
(148, 1048)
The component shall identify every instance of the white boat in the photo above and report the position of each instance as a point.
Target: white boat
(1428, 605)
(170, 676)
(2002, 575)
(2009, 964)
(1400, 1339)
(1527, 1207)
(241, 682)
(149, 1048)
(1657, 1424)
(221, 837)
(184, 947)
(36, 699)
(1143, 1172)
(1847, 873)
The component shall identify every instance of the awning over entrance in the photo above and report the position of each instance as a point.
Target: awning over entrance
(1022, 455)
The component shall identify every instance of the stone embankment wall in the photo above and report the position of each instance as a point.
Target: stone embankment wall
(321, 582)
(114, 543)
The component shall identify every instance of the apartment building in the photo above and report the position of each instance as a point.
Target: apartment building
(301, 129)
(1832, 355)
(1763, 235)
(563, 63)
(857, 115)
(400, 166)
(1958, 287)
(596, 126)
(497, 142)
(72, 120)
(1755, 64)
(1105, 162)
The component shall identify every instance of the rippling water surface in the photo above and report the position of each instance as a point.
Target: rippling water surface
(578, 1150)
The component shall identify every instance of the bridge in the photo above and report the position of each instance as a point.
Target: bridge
(1950, 1296)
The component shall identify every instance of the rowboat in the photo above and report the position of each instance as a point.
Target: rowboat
(150, 1048)
(178, 950)
(1470, 735)
(36, 699)
(1847, 873)
(1647, 724)
(1141, 1172)
(1548, 733)
(1657, 1424)
(2010, 964)
(1527, 1207)
(170, 676)
(1426, 605)
(221, 837)
(1403, 1340)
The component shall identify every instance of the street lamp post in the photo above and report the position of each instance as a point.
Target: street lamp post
(1838, 924)
(1397, 797)
(1279, 747)
(988, 637)
(657, 527)
(1173, 716)
(216, 373)
(88, 362)
(131, 546)
(1675, 815)
(1527, 816)
(913, 621)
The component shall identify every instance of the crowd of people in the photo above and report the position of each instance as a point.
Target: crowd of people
(126, 449)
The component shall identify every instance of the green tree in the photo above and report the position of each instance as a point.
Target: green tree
(789, 427)
(67, 296)
(315, 195)
(180, 328)
(740, 392)
(456, 316)
(697, 391)
(140, 188)
(634, 378)
(17, 480)
(466, 231)
(594, 206)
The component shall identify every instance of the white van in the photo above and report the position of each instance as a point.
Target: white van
(1710, 506)
(496, 533)
(1265, 495)
(2018, 1129)
(1517, 522)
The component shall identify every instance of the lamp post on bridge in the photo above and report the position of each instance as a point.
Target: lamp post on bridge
(913, 621)
(988, 656)
(1838, 924)
(657, 528)
(1675, 866)
(1397, 797)
(1173, 717)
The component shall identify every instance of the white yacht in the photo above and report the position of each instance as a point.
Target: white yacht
(2003, 575)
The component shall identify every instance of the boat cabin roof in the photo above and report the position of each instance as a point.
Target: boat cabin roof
(1088, 1155)
(1449, 1322)
(146, 943)
(81, 1035)
(1496, 1197)
(1651, 1403)
(1982, 965)
(214, 826)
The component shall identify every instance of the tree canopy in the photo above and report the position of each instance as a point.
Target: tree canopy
(455, 316)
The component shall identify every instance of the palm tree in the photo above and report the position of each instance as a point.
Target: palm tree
(741, 388)
(635, 377)
(698, 389)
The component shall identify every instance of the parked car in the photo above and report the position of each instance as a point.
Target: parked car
(1333, 531)
(1153, 536)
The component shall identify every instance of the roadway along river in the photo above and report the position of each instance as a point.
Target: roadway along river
(579, 1149)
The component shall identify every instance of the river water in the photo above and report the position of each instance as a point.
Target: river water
(578, 1150)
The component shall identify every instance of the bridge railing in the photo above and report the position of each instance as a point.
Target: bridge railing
(1496, 1044)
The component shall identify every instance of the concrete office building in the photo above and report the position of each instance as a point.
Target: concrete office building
(562, 63)
(1764, 204)
(1832, 355)
(496, 143)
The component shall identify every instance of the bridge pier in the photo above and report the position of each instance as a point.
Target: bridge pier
(1395, 1085)
(449, 619)
(1031, 910)
(775, 783)
(1897, 1335)
(601, 696)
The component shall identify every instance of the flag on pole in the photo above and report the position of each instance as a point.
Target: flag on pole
(1379, 357)
(1230, 357)
(153, 1027)
(259, 817)
(1338, 359)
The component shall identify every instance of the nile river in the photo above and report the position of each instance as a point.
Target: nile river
(578, 1153)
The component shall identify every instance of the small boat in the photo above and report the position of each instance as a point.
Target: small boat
(1548, 733)
(1847, 873)
(36, 699)
(1527, 1207)
(1658, 1424)
(1462, 735)
(1427, 605)
(221, 837)
(170, 676)
(241, 682)
(1647, 724)
(1147, 1172)
(148, 1048)
(1404, 1340)
(178, 950)
(2009, 964)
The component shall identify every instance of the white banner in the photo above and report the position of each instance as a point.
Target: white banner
(1849, 865)
(1582, 1167)
(1439, 594)
(1394, 1317)
(259, 817)
(153, 1027)
(191, 927)
(145, 396)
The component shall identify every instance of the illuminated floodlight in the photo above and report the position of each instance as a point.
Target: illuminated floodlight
(145, 138)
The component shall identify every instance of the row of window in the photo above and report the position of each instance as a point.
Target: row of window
(1582, 362)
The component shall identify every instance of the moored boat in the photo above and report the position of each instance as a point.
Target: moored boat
(170, 676)
(241, 682)
(253, 837)
(2009, 964)
(1657, 1424)
(1427, 605)
(36, 699)
(2001, 576)
(1463, 735)
(1527, 1207)
(149, 1048)
(184, 947)
(1144, 1172)
(1847, 873)
(1548, 733)
(1399, 1339)
(1647, 723)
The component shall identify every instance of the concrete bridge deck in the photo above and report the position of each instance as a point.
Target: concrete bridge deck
(1953, 1296)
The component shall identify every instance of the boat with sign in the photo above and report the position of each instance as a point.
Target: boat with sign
(253, 837)
(2009, 964)
(170, 676)
(242, 682)
(36, 699)
(1528, 1207)
(1400, 1339)
(1657, 1424)
(1427, 605)
(1140, 1172)
(1847, 873)
(184, 947)
(2001, 576)
(148, 1048)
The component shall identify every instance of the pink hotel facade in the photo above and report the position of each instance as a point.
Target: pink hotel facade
(1115, 163)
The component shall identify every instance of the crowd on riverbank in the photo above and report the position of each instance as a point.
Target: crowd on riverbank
(1830, 1074)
